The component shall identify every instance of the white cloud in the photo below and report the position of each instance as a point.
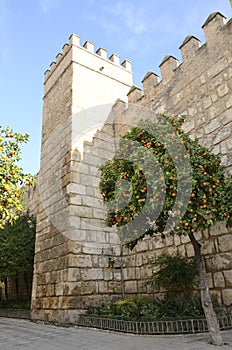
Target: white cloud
(48, 5)
(135, 19)
(107, 25)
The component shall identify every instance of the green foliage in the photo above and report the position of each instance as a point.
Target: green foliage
(13, 305)
(148, 309)
(17, 242)
(176, 274)
(12, 178)
(161, 163)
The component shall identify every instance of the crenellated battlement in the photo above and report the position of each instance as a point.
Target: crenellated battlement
(193, 54)
(100, 54)
(74, 248)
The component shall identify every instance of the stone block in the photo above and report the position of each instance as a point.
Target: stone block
(189, 250)
(82, 288)
(117, 276)
(91, 301)
(82, 211)
(93, 274)
(181, 250)
(212, 125)
(228, 278)
(103, 261)
(59, 289)
(217, 67)
(218, 229)
(225, 243)
(177, 240)
(79, 261)
(218, 279)
(108, 274)
(185, 239)
(208, 247)
(171, 250)
(222, 90)
(129, 273)
(189, 125)
(227, 297)
(75, 199)
(142, 246)
(114, 287)
(219, 262)
(216, 297)
(73, 274)
(210, 280)
(222, 134)
(102, 287)
(131, 287)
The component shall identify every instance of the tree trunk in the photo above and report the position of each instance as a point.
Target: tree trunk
(206, 301)
(17, 287)
(26, 285)
(6, 288)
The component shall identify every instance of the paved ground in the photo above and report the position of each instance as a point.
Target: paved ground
(18, 334)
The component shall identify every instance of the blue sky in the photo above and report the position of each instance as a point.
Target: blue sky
(32, 32)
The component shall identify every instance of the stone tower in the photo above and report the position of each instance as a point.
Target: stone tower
(79, 91)
(78, 260)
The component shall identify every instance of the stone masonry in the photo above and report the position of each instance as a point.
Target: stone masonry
(78, 260)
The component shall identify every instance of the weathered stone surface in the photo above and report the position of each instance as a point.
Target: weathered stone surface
(92, 274)
(208, 247)
(228, 278)
(218, 229)
(77, 274)
(225, 243)
(219, 281)
(219, 262)
(189, 250)
(227, 297)
(130, 287)
(216, 297)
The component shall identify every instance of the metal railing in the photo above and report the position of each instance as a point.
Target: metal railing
(17, 313)
(153, 327)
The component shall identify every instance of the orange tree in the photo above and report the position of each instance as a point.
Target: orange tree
(12, 178)
(163, 182)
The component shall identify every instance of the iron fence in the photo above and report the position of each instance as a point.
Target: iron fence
(153, 327)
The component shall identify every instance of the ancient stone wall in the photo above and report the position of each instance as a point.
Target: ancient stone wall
(72, 242)
(200, 88)
(78, 260)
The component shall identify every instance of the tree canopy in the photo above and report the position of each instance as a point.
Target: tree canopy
(162, 181)
(12, 178)
(17, 244)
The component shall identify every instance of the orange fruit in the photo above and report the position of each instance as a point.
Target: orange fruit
(7, 188)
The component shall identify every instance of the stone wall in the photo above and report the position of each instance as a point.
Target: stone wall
(78, 260)
(72, 242)
(200, 88)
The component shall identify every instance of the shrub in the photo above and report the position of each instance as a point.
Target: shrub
(176, 274)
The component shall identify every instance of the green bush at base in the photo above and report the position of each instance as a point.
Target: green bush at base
(148, 309)
(13, 305)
